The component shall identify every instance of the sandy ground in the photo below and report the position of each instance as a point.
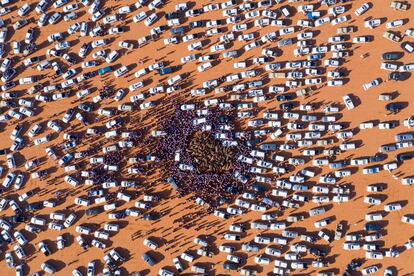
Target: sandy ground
(174, 238)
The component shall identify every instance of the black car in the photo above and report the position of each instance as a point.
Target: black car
(253, 142)
(372, 227)
(392, 55)
(394, 107)
(150, 216)
(267, 3)
(230, 266)
(353, 265)
(10, 72)
(259, 188)
(232, 190)
(93, 211)
(34, 206)
(147, 258)
(8, 85)
(3, 151)
(284, 98)
(89, 75)
(286, 106)
(172, 15)
(16, 219)
(197, 24)
(398, 76)
(317, 252)
(197, 12)
(315, 57)
(377, 158)
(177, 31)
(9, 104)
(403, 157)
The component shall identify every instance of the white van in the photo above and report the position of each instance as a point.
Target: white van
(83, 230)
(81, 202)
(373, 216)
(57, 216)
(38, 221)
(226, 248)
(187, 257)
(47, 268)
(366, 125)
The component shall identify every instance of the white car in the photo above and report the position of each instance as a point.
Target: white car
(372, 200)
(371, 84)
(370, 270)
(373, 23)
(339, 20)
(362, 9)
(407, 219)
(406, 67)
(217, 48)
(348, 102)
(151, 19)
(391, 207)
(394, 24)
(203, 67)
(121, 71)
(361, 39)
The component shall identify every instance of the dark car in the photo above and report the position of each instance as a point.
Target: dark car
(284, 98)
(172, 15)
(371, 227)
(353, 265)
(9, 104)
(177, 31)
(253, 142)
(230, 266)
(286, 106)
(10, 72)
(93, 211)
(197, 24)
(232, 190)
(104, 70)
(164, 71)
(398, 76)
(34, 206)
(317, 252)
(3, 151)
(315, 57)
(259, 188)
(267, 3)
(150, 216)
(377, 158)
(9, 85)
(403, 157)
(16, 219)
(197, 12)
(89, 75)
(394, 107)
(392, 55)
(147, 258)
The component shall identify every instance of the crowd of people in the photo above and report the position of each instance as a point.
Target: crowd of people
(213, 185)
